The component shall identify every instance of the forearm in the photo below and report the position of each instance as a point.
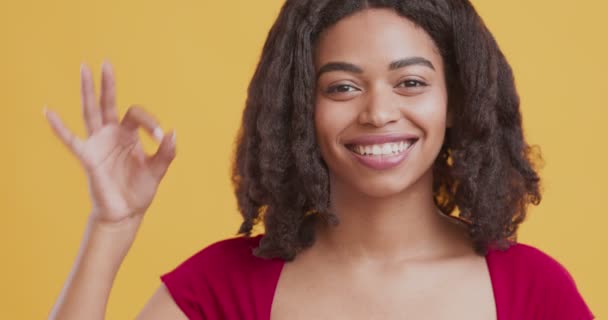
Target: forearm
(102, 251)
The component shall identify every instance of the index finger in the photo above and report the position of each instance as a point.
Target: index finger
(137, 117)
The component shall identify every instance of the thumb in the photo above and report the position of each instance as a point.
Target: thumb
(160, 161)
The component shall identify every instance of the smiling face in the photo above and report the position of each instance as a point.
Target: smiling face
(381, 102)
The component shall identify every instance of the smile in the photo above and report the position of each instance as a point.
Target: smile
(382, 156)
(385, 149)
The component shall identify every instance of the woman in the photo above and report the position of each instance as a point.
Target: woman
(382, 148)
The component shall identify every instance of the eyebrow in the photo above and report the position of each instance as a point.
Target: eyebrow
(349, 67)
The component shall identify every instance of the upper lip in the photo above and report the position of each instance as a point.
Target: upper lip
(380, 139)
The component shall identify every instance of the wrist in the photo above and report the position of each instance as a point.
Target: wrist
(128, 224)
(109, 241)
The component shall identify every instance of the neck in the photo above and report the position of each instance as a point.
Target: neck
(402, 226)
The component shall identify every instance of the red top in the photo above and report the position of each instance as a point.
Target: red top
(226, 281)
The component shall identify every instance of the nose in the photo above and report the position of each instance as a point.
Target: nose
(380, 109)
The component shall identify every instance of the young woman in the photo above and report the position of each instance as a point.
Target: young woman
(382, 148)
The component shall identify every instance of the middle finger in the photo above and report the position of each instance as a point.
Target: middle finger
(108, 94)
(90, 111)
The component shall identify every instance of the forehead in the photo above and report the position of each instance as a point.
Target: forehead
(374, 36)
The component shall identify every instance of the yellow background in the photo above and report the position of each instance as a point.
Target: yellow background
(189, 63)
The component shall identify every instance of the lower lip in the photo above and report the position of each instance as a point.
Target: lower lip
(382, 162)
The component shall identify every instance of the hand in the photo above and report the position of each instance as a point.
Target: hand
(122, 179)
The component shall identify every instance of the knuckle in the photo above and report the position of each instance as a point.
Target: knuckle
(139, 109)
(132, 109)
(139, 114)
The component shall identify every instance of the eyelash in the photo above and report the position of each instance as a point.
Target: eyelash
(417, 83)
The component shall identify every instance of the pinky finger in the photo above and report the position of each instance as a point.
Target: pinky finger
(68, 138)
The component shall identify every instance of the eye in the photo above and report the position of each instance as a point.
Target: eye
(341, 88)
(412, 83)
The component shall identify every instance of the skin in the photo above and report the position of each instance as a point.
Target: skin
(393, 256)
(122, 181)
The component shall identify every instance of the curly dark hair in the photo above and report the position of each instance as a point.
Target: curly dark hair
(484, 174)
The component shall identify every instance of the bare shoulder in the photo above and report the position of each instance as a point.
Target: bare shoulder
(161, 306)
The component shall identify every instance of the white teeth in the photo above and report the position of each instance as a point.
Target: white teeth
(387, 149)
(376, 150)
(382, 149)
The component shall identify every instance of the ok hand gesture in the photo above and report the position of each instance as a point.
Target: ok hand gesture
(122, 179)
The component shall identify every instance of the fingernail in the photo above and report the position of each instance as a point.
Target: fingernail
(105, 65)
(173, 137)
(83, 69)
(158, 134)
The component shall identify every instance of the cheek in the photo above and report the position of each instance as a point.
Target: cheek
(330, 120)
(430, 114)
(430, 117)
(322, 128)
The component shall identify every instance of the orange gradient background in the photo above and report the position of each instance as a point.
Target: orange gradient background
(189, 63)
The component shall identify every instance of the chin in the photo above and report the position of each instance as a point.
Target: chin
(381, 187)
(384, 189)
